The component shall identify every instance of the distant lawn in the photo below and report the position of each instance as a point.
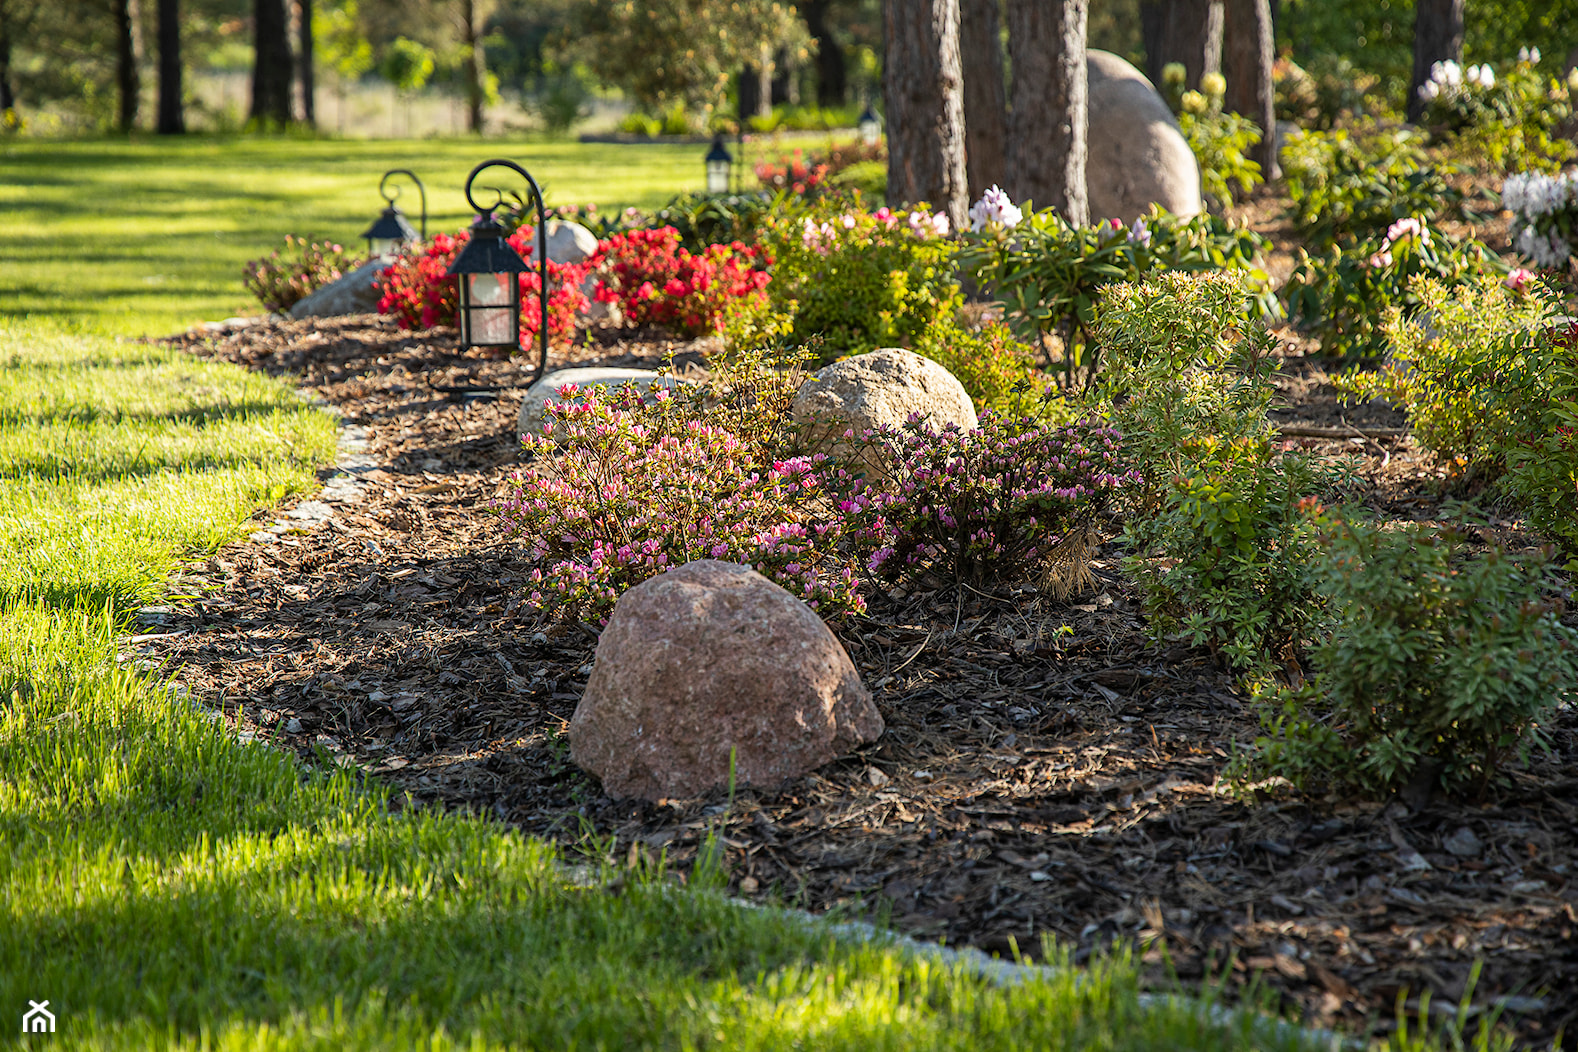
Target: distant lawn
(145, 237)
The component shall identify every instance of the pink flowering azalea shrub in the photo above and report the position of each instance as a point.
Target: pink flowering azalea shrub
(656, 281)
(417, 293)
(622, 491)
(994, 504)
(860, 280)
(280, 282)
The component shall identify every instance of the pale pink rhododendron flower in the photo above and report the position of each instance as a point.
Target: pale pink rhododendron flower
(994, 207)
(1518, 280)
(1140, 233)
(1409, 227)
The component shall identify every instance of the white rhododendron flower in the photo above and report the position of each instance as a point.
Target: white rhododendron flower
(993, 207)
(1139, 233)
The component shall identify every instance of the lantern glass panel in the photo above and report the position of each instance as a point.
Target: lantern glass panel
(491, 310)
(384, 246)
(870, 132)
(717, 177)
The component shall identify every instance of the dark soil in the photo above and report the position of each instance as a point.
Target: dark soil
(1030, 783)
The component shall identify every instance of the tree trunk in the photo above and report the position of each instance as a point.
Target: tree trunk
(924, 91)
(172, 114)
(1046, 152)
(1438, 36)
(127, 78)
(306, 75)
(1247, 55)
(985, 104)
(832, 78)
(7, 90)
(474, 68)
(271, 67)
(764, 83)
(748, 89)
(1186, 31)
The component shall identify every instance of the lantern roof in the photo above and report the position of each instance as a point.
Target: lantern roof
(488, 252)
(392, 226)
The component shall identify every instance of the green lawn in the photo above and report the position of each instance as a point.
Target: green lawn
(166, 885)
(149, 236)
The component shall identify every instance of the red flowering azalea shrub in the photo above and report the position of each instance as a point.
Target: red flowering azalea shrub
(657, 282)
(418, 294)
(795, 174)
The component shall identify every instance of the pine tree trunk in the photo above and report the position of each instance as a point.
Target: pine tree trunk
(832, 78)
(924, 91)
(1047, 147)
(1438, 37)
(474, 67)
(127, 79)
(306, 75)
(1247, 55)
(271, 67)
(172, 113)
(985, 102)
(7, 89)
(1186, 31)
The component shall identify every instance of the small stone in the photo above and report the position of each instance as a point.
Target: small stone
(1040, 875)
(877, 776)
(748, 885)
(1463, 844)
(293, 726)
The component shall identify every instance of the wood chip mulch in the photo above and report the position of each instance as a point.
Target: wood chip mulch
(1034, 779)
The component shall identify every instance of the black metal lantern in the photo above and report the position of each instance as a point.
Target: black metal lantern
(489, 270)
(391, 231)
(719, 163)
(870, 126)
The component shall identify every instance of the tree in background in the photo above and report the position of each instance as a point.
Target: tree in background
(128, 59)
(304, 63)
(1047, 146)
(832, 79)
(172, 112)
(473, 62)
(272, 70)
(1248, 53)
(1184, 31)
(407, 65)
(345, 49)
(924, 87)
(1438, 37)
(985, 101)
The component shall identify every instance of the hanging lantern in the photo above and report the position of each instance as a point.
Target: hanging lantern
(870, 126)
(391, 231)
(719, 162)
(489, 269)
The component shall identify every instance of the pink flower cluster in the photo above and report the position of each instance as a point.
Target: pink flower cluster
(988, 504)
(623, 500)
(853, 229)
(1396, 234)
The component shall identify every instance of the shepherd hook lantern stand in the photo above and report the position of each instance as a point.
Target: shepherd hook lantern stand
(489, 268)
(391, 231)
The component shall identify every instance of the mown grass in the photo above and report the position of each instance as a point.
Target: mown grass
(166, 885)
(144, 237)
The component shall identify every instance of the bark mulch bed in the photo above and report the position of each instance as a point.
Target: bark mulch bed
(1031, 781)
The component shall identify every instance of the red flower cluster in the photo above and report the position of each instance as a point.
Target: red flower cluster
(657, 282)
(417, 292)
(795, 174)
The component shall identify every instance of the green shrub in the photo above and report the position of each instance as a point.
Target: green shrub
(1051, 276)
(1347, 185)
(1490, 386)
(1218, 141)
(1217, 541)
(1506, 122)
(1343, 294)
(1437, 669)
(992, 365)
(858, 280)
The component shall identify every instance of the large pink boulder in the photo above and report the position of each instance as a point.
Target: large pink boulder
(706, 658)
